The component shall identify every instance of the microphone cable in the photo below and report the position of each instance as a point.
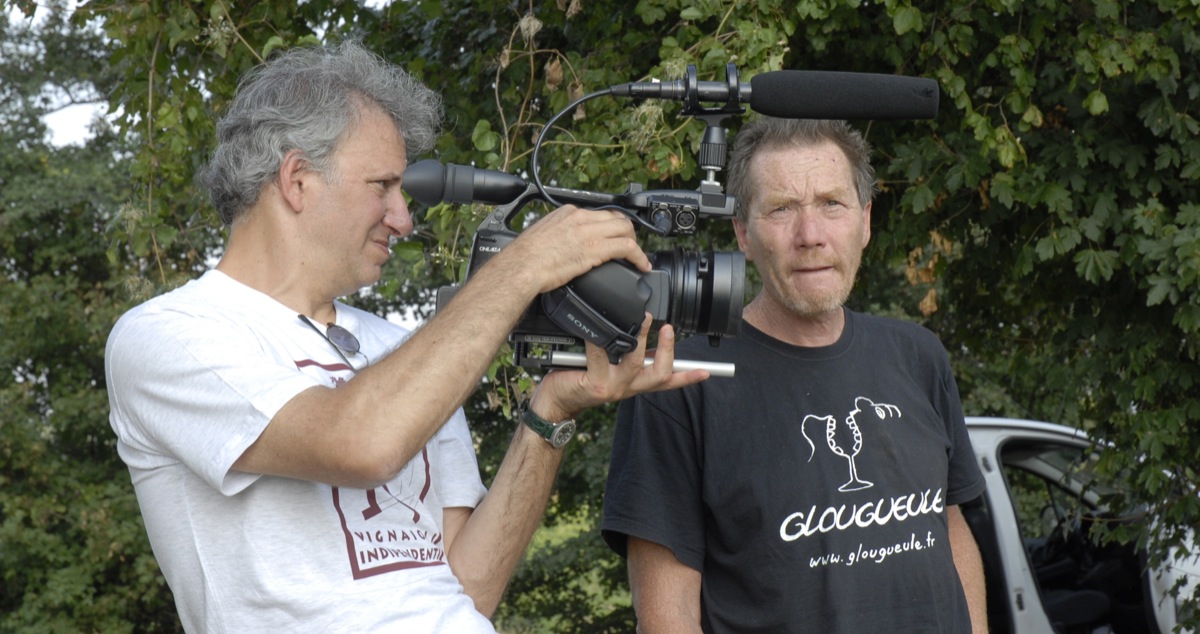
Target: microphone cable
(534, 171)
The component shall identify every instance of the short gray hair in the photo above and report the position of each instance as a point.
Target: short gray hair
(305, 99)
(770, 133)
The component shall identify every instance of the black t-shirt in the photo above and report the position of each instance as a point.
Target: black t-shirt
(810, 489)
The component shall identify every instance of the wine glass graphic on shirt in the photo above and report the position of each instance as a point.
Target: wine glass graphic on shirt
(844, 437)
(845, 440)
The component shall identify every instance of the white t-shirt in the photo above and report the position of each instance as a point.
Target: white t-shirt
(194, 376)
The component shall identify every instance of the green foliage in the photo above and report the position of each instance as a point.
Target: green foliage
(1046, 224)
(74, 555)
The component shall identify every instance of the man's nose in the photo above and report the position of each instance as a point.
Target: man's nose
(398, 218)
(808, 229)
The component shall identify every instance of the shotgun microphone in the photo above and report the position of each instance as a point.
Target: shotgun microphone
(806, 94)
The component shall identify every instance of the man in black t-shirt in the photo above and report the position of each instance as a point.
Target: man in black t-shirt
(818, 490)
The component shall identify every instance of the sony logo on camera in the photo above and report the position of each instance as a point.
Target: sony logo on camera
(592, 335)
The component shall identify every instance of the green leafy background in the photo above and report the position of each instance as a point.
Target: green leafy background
(1046, 224)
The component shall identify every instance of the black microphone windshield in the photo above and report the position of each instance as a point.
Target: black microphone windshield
(813, 94)
(429, 183)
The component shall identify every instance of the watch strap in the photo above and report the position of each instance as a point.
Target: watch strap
(557, 434)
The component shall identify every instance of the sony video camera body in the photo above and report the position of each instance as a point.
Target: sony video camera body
(695, 292)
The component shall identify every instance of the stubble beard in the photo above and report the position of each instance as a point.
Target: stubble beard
(816, 304)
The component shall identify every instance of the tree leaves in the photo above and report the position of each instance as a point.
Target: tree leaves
(74, 555)
(1060, 178)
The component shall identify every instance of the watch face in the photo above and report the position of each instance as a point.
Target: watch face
(563, 433)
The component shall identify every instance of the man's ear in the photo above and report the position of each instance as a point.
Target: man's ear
(739, 230)
(295, 174)
(867, 223)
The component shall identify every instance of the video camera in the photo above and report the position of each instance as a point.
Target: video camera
(698, 293)
(695, 292)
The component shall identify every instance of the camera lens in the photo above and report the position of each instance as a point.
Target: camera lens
(707, 290)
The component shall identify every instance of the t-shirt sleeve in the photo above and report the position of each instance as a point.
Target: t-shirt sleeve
(654, 485)
(965, 481)
(185, 390)
(457, 470)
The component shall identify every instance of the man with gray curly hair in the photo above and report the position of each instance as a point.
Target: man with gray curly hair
(302, 465)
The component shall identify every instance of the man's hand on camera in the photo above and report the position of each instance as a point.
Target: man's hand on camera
(571, 241)
(564, 393)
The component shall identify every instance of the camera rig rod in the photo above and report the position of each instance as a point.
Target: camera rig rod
(564, 359)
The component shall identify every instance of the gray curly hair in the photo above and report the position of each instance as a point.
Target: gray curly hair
(770, 133)
(305, 99)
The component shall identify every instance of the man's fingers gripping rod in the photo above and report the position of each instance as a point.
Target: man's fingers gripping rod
(579, 360)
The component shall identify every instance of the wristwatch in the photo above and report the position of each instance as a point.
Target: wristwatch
(557, 434)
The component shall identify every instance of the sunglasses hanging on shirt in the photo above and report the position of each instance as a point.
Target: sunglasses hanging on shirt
(343, 341)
